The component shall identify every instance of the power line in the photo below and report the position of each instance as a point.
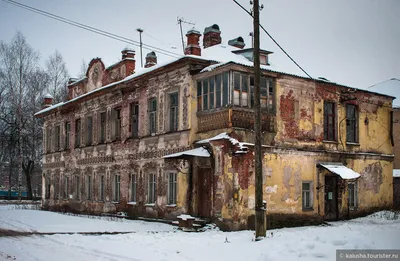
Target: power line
(280, 47)
(92, 29)
(270, 36)
(169, 45)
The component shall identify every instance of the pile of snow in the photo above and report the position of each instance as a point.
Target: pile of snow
(154, 241)
(380, 217)
(396, 173)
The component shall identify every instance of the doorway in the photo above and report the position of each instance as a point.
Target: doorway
(204, 192)
(331, 198)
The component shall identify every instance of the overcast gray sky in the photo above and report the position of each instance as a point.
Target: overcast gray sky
(350, 42)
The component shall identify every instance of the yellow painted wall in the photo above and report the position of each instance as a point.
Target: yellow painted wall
(284, 173)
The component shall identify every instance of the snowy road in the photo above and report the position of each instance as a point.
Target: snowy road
(153, 241)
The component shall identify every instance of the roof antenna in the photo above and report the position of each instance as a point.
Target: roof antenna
(180, 21)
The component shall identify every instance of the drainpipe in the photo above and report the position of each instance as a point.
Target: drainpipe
(190, 187)
(318, 191)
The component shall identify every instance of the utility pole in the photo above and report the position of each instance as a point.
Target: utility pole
(141, 44)
(180, 21)
(260, 209)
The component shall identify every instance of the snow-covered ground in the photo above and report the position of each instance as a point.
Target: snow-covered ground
(155, 241)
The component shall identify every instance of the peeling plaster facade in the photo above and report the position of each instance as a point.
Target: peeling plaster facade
(220, 188)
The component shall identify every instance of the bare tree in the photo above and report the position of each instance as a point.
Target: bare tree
(58, 76)
(18, 63)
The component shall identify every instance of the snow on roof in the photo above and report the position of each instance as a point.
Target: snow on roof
(396, 173)
(138, 73)
(49, 108)
(226, 136)
(224, 54)
(75, 82)
(48, 96)
(340, 169)
(389, 87)
(197, 152)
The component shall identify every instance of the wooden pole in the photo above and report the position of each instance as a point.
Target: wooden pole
(260, 211)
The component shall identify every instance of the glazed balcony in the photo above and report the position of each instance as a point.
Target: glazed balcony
(233, 117)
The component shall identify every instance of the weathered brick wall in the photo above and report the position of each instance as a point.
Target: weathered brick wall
(125, 156)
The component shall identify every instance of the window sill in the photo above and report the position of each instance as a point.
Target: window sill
(308, 209)
(352, 143)
(330, 141)
(171, 206)
(133, 203)
(353, 208)
(115, 202)
(150, 205)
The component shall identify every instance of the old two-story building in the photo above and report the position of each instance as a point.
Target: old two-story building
(178, 138)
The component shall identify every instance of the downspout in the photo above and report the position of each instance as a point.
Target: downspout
(190, 187)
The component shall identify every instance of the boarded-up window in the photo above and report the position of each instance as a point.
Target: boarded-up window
(116, 124)
(329, 121)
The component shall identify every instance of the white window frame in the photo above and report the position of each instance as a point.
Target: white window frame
(172, 188)
(355, 195)
(310, 193)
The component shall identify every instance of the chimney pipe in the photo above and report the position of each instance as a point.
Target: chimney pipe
(237, 42)
(212, 36)
(48, 101)
(151, 59)
(128, 54)
(193, 47)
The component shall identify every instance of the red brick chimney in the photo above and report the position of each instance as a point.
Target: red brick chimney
(151, 59)
(48, 101)
(237, 42)
(212, 36)
(128, 58)
(193, 47)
